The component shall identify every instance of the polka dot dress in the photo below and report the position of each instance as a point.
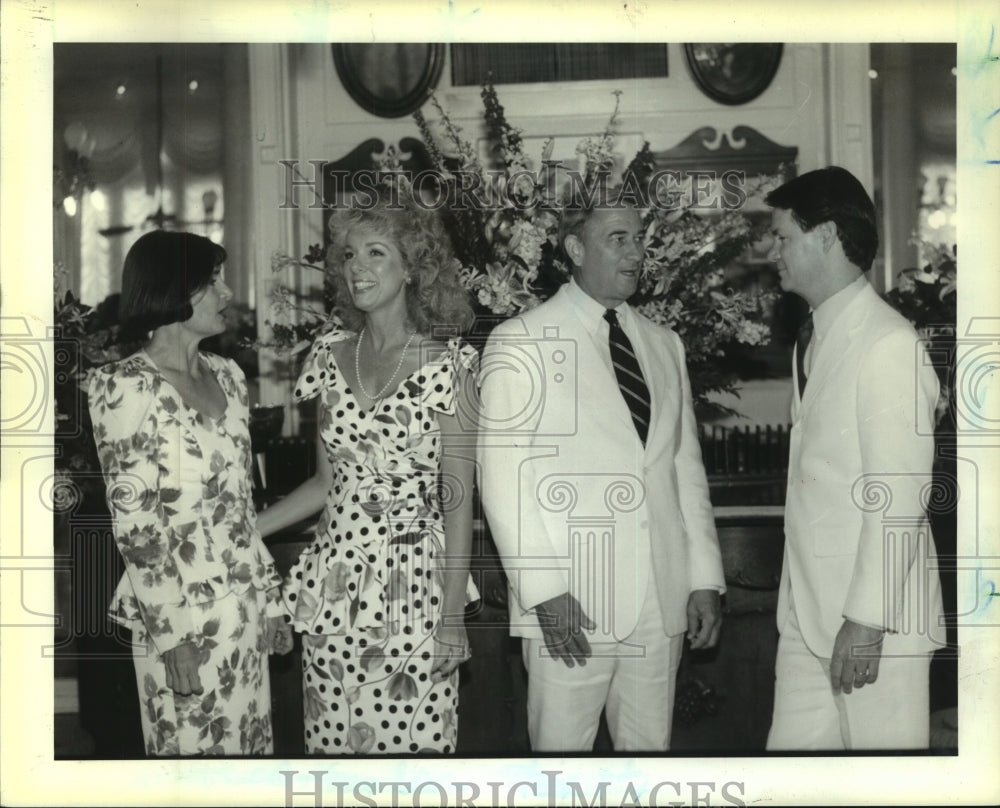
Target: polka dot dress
(367, 592)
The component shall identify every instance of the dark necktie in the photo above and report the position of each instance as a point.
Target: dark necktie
(802, 340)
(629, 375)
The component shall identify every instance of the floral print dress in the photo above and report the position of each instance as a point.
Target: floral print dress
(196, 570)
(367, 593)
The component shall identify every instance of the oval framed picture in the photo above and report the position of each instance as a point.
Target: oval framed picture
(733, 73)
(389, 79)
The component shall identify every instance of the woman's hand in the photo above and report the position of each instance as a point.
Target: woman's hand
(279, 635)
(182, 669)
(451, 649)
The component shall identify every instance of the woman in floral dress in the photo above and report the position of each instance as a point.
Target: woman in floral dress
(200, 590)
(380, 594)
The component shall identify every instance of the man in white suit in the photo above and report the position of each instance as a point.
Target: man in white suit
(859, 603)
(599, 507)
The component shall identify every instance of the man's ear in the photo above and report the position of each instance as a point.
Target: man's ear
(573, 246)
(828, 235)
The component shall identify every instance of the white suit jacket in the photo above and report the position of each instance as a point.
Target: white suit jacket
(857, 541)
(573, 500)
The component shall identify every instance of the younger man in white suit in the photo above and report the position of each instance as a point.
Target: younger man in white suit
(860, 602)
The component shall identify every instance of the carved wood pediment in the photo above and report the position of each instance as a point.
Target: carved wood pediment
(743, 149)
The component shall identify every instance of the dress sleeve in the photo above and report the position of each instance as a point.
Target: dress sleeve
(319, 368)
(142, 487)
(459, 364)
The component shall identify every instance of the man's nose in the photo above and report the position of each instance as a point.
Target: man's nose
(773, 254)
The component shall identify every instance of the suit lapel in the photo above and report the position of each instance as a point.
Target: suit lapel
(595, 379)
(655, 353)
(836, 346)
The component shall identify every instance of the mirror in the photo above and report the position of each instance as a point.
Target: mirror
(389, 79)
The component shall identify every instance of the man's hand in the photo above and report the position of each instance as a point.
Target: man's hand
(561, 619)
(279, 635)
(182, 669)
(856, 654)
(704, 613)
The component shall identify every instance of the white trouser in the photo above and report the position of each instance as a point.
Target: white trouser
(633, 678)
(891, 713)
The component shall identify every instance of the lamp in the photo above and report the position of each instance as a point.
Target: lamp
(73, 177)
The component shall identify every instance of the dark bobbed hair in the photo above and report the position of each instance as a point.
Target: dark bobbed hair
(832, 194)
(436, 302)
(163, 271)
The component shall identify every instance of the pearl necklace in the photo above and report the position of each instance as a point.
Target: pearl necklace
(357, 367)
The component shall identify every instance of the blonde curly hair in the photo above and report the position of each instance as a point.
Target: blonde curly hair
(436, 301)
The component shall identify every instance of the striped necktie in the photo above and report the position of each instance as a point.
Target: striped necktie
(629, 375)
(802, 340)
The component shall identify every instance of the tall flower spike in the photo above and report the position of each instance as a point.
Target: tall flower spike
(466, 152)
(425, 132)
(506, 136)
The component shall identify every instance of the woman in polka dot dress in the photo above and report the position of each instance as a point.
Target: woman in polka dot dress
(380, 594)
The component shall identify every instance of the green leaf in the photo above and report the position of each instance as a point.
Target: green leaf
(187, 552)
(373, 657)
(210, 488)
(185, 530)
(407, 538)
(149, 500)
(218, 514)
(396, 588)
(211, 627)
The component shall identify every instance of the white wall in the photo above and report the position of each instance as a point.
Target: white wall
(818, 101)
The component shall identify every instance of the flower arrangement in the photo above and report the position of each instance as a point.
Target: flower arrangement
(507, 244)
(293, 319)
(927, 296)
(85, 338)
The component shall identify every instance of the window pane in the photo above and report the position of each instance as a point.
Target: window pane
(517, 63)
